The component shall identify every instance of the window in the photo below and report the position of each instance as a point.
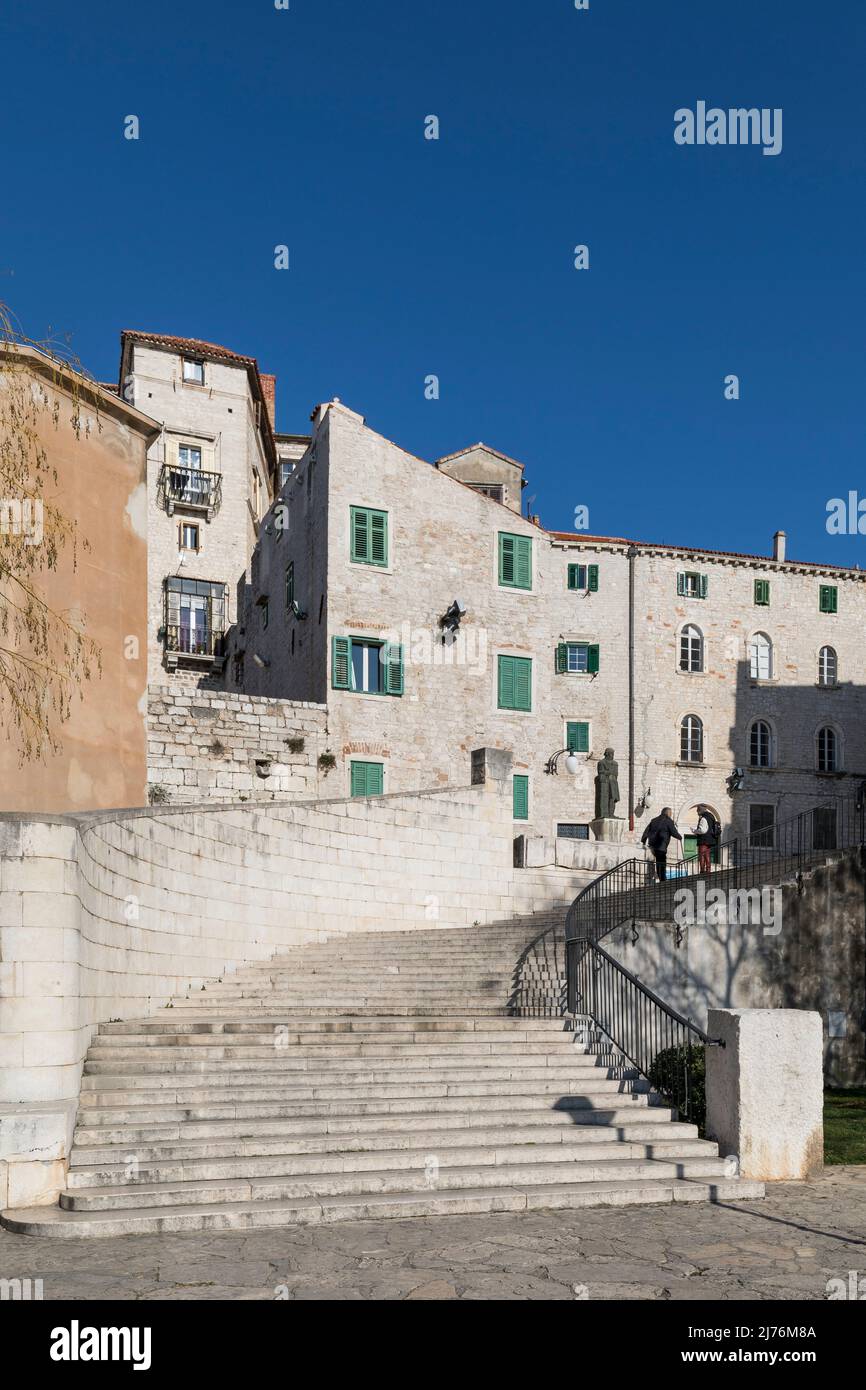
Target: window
(287, 468)
(193, 371)
(827, 666)
(691, 649)
(691, 585)
(372, 668)
(520, 796)
(583, 577)
(691, 740)
(828, 750)
(762, 592)
(189, 456)
(515, 561)
(369, 545)
(195, 616)
(569, 831)
(515, 683)
(762, 826)
(290, 583)
(188, 535)
(577, 658)
(760, 744)
(366, 779)
(760, 657)
(494, 490)
(828, 598)
(266, 611)
(577, 736)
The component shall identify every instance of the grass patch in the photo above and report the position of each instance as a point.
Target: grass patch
(845, 1126)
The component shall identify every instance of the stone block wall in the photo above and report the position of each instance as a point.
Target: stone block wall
(207, 745)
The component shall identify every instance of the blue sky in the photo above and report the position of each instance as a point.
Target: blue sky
(455, 257)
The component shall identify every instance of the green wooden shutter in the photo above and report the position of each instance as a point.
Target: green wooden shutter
(762, 591)
(506, 682)
(506, 558)
(366, 779)
(561, 658)
(592, 659)
(828, 601)
(378, 538)
(681, 583)
(702, 590)
(341, 662)
(520, 796)
(574, 576)
(577, 736)
(360, 535)
(523, 684)
(392, 657)
(593, 579)
(523, 579)
(375, 779)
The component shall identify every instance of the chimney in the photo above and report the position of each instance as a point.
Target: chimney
(269, 391)
(779, 545)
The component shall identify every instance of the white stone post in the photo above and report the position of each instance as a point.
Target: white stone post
(765, 1091)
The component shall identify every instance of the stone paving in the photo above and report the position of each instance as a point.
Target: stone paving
(786, 1247)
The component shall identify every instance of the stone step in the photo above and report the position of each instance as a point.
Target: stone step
(156, 1107)
(56, 1222)
(386, 1083)
(229, 1139)
(583, 1110)
(336, 1052)
(338, 1026)
(382, 1180)
(249, 1008)
(351, 1164)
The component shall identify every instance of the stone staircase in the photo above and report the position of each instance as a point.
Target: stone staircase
(381, 1075)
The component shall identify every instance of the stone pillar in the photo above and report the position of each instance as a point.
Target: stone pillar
(765, 1091)
(491, 767)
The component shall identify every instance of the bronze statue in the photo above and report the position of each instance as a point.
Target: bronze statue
(606, 786)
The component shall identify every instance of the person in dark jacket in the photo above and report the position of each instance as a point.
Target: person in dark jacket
(658, 835)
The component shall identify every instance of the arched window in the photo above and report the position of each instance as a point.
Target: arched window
(760, 744)
(691, 649)
(827, 666)
(828, 750)
(691, 740)
(761, 657)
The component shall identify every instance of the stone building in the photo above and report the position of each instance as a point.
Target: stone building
(212, 472)
(432, 617)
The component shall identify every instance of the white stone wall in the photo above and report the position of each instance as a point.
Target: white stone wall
(221, 746)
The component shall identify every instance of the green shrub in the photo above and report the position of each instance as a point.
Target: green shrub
(668, 1075)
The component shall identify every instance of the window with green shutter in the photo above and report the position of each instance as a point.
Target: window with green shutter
(583, 577)
(290, 584)
(762, 592)
(515, 682)
(690, 584)
(515, 561)
(368, 668)
(367, 779)
(577, 736)
(828, 598)
(577, 658)
(369, 536)
(520, 796)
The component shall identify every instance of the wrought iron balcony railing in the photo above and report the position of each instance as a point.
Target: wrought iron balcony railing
(185, 640)
(191, 488)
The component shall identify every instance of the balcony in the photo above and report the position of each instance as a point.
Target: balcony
(194, 645)
(193, 489)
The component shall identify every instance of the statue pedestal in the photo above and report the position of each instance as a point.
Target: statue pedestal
(610, 828)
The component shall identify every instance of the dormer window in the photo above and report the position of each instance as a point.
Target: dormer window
(193, 372)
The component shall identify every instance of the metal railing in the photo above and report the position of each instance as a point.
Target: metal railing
(190, 487)
(194, 641)
(664, 1046)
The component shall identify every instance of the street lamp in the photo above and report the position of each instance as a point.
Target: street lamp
(572, 762)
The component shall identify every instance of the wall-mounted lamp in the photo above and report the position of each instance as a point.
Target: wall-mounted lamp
(572, 762)
(645, 801)
(735, 781)
(261, 661)
(450, 622)
(296, 609)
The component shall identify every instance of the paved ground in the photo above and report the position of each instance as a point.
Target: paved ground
(786, 1247)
